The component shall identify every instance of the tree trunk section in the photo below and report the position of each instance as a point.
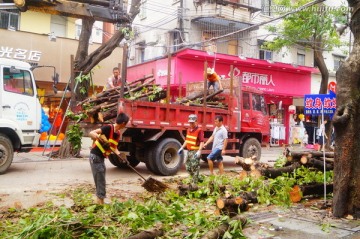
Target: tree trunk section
(148, 234)
(275, 172)
(346, 198)
(220, 231)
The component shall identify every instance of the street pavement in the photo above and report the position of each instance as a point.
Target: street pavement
(33, 175)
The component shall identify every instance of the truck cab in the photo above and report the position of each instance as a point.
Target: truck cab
(20, 111)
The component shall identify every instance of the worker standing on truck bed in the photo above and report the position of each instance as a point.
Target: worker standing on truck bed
(213, 79)
(194, 142)
(220, 138)
(101, 149)
(114, 80)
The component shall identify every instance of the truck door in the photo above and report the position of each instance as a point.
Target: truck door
(258, 113)
(19, 99)
(246, 110)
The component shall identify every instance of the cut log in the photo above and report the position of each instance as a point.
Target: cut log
(210, 106)
(107, 115)
(254, 173)
(320, 154)
(186, 188)
(152, 97)
(148, 234)
(316, 189)
(220, 231)
(251, 197)
(191, 97)
(295, 194)
(231, 206)
(211, 95)
(224, 202)
(319, 164)
(245, 163)
(137, 88)
(328, 160)
(275, 172)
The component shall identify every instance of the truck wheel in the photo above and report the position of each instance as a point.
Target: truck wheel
(165, 159)
(115, 161)
(149, 161)
(6, 153)
(250, 148)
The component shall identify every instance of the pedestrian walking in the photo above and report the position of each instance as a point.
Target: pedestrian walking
(101, 149)
(322, 136)
(220, 138)
(194, 142)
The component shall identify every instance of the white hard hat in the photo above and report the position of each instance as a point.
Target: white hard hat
(192, 118)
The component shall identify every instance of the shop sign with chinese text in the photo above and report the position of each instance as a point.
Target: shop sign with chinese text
(314, 104)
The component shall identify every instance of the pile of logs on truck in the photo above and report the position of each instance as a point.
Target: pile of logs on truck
(104, 106)
(157, 127)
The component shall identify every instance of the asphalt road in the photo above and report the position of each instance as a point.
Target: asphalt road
(32, 176)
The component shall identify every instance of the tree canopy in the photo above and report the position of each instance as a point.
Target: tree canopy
(312, 28)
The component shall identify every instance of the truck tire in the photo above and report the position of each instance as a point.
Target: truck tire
(6, 153)
(165, 159)
(149, 161)
(115, 161)
(250, 148)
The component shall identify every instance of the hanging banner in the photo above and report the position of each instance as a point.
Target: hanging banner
(316, 104)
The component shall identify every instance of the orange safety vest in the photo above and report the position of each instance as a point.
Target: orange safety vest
(112, 142)
(191, 139)
(213, 77)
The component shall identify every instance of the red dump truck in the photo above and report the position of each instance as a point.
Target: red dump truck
(157, 130)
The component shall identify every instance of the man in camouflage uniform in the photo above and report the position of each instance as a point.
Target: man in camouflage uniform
(194, 142)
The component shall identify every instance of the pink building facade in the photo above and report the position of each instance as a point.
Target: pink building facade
(280, 82)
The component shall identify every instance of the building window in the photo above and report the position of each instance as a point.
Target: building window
(265, 54)
(301, 57)
(58, 25)
(9, 19)
(338, 60)
(77, 31)
(266, 7)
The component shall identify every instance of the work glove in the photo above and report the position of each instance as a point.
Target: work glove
(180, 151)
(197, 154)
(122, 158)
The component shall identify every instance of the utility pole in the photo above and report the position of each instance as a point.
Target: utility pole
(124, 69)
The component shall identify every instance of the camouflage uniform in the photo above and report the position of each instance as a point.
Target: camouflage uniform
(193, 165)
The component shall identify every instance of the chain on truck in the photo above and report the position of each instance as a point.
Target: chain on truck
(156, 130)
(20, 111)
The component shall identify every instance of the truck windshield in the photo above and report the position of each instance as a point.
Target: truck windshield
(19, 82)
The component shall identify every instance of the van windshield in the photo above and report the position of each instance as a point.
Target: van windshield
(19, 82)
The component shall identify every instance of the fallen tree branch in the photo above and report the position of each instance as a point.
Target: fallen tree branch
(220, 231)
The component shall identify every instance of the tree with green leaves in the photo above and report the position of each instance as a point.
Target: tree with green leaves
(315, 30)
(311, 29)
